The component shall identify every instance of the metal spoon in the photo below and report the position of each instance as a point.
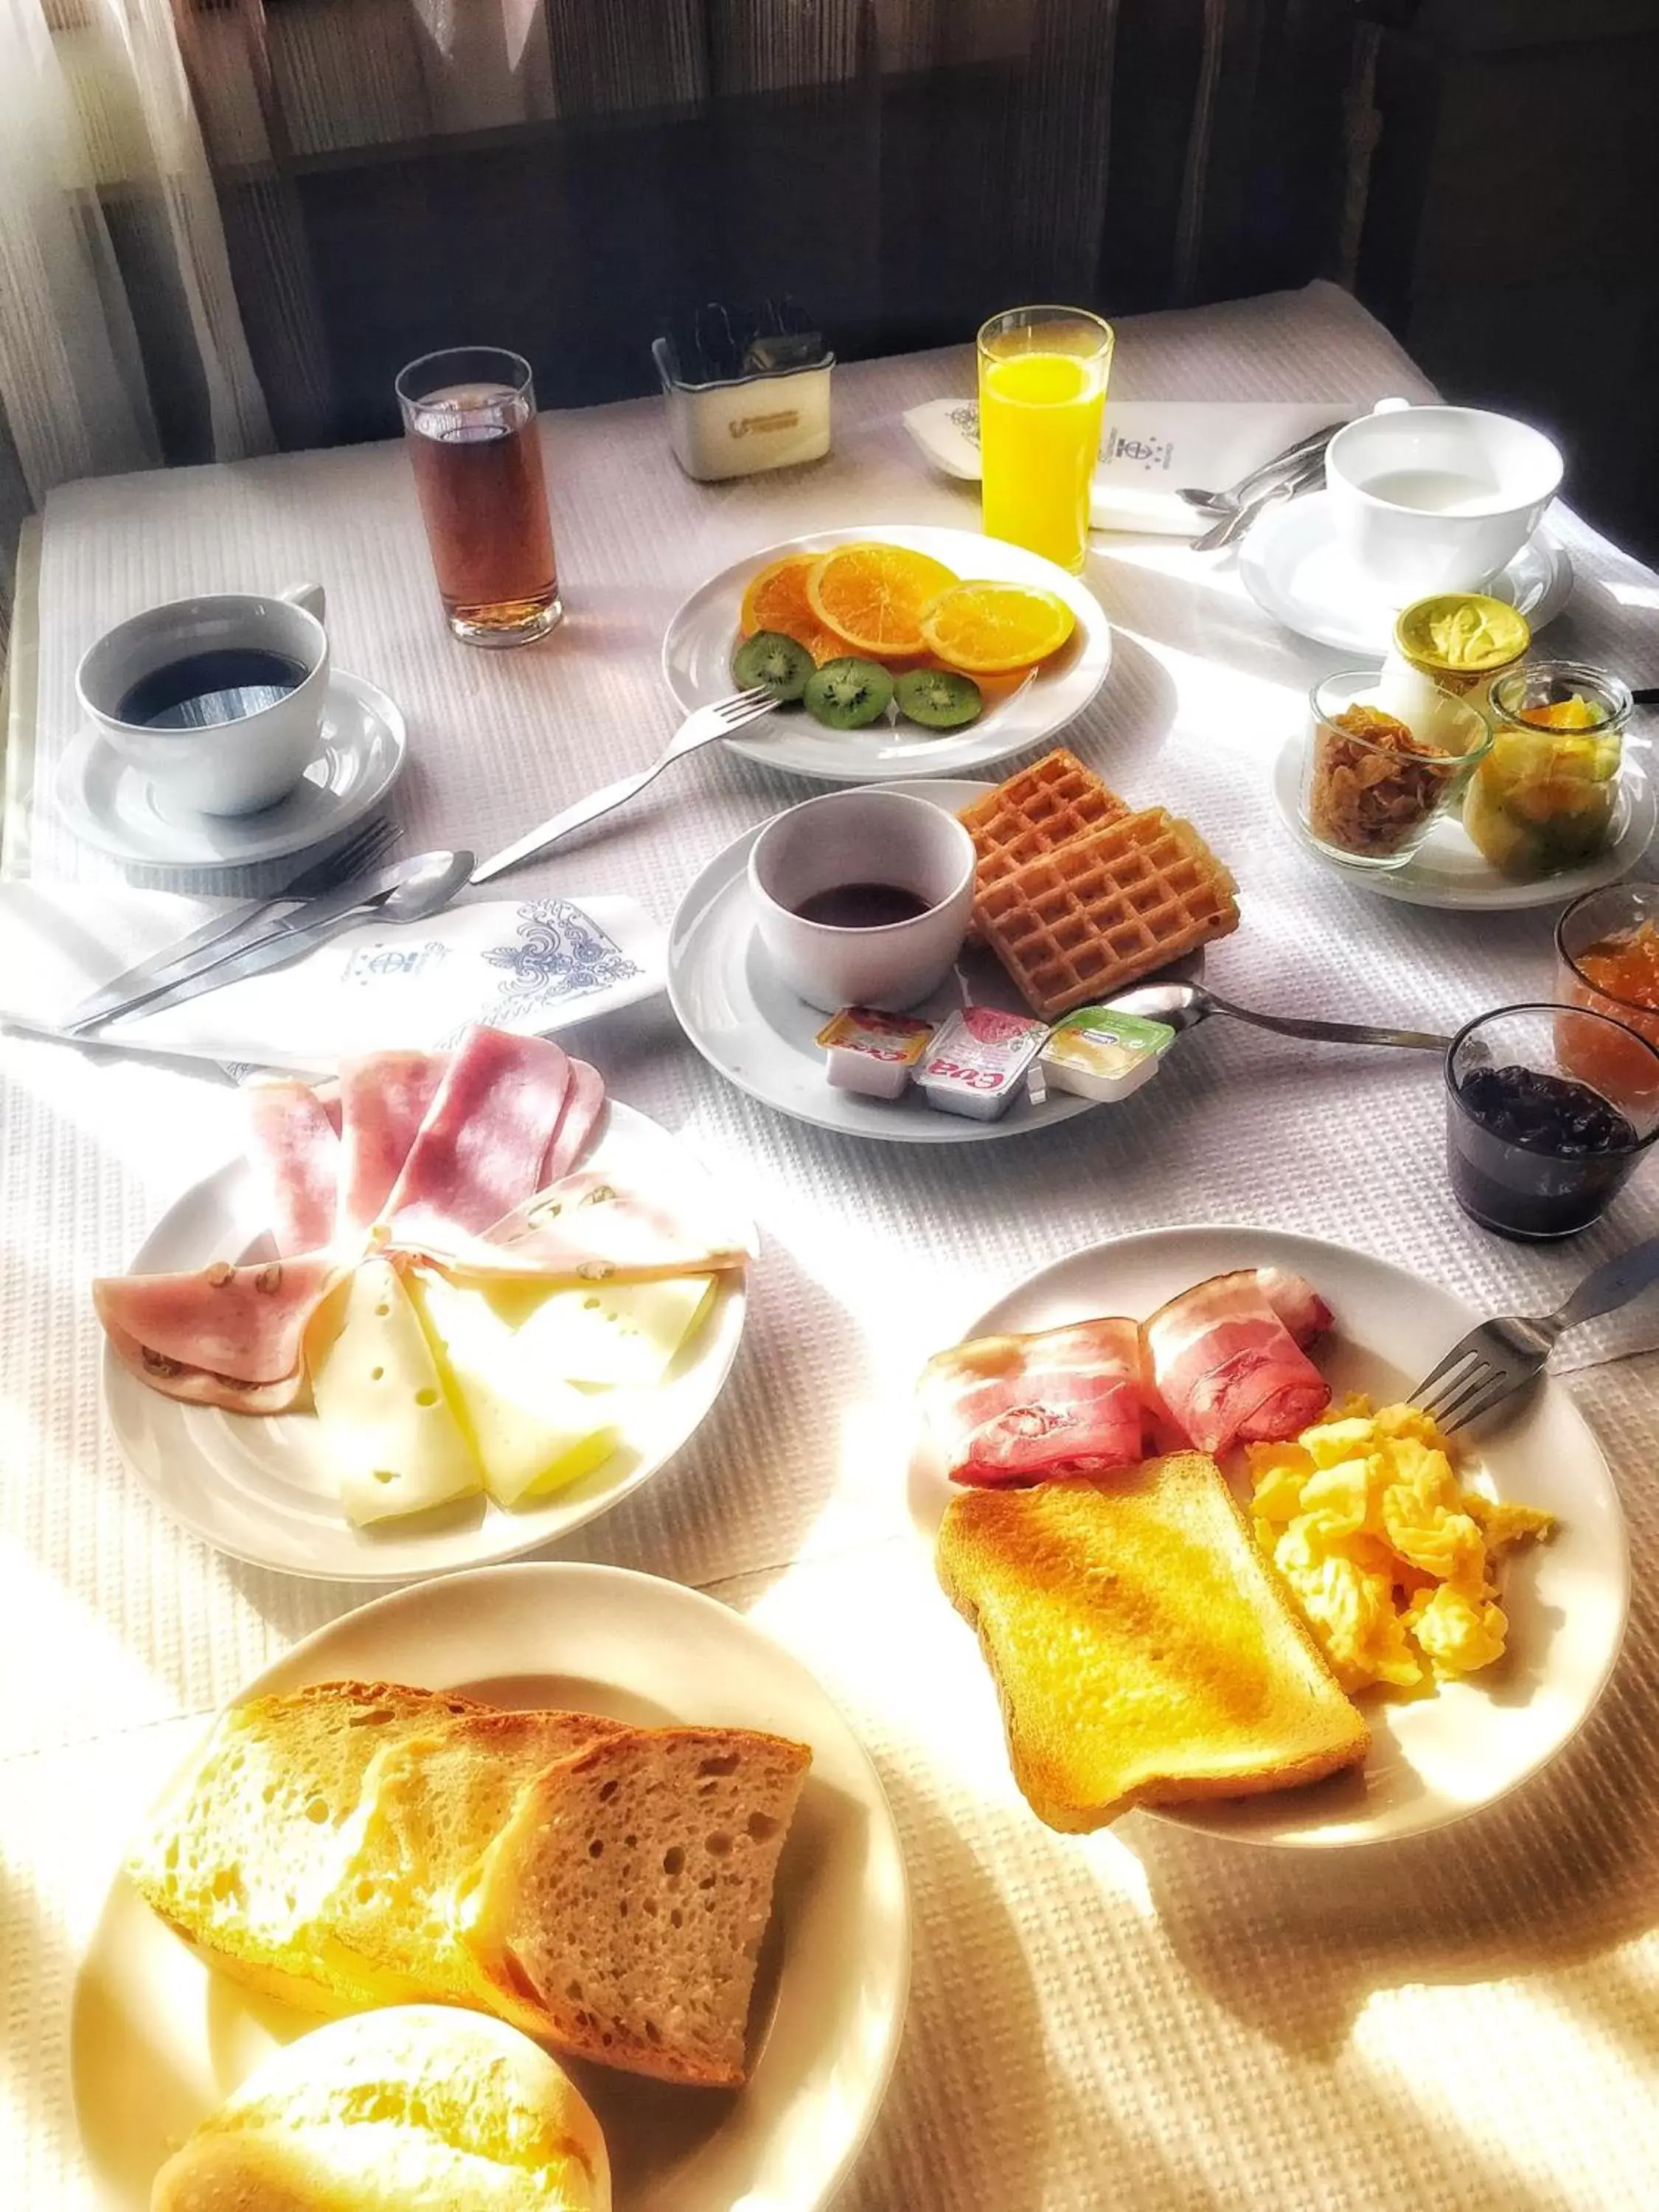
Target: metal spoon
(1183, 1006)
(430, 881)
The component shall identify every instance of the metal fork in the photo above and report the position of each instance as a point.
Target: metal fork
(1500, 1355)
(354, 857)
(723, 719)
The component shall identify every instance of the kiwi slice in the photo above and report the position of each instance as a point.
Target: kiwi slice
(849, 693)
(772, 660)
(938, 698)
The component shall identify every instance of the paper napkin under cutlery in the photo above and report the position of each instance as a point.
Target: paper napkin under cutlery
(1148, 448)
(533, 965)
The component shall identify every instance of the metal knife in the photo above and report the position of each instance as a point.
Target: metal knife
(1271, 472)
(216, 955)
(1234, 525)
(425, 885)
(178, 959)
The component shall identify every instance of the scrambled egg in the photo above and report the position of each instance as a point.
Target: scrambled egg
(1389, 1557)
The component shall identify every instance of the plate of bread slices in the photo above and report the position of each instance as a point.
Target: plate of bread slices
(441, 1310)
(1221, 1569)
(599, 1898)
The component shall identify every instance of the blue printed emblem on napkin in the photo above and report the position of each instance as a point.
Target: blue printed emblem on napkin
(560, 952)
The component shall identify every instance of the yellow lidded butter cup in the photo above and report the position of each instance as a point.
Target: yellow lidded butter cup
(1461, 640)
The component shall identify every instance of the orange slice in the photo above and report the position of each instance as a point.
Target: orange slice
(776, 598)
(990, 629)
(875, 596)
(822, 644)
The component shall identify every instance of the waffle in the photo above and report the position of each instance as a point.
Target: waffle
(1077, 923)
(1035, 812)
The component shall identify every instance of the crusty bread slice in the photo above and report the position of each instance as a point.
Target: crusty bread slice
(432, 1804)
(1144, 1651)
(417, 2105)
(629, 1891)
(246, 1846)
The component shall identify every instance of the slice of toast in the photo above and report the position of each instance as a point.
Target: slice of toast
(247, 1844)
(1143, 1651)
(432, 1804)
(629, 1894)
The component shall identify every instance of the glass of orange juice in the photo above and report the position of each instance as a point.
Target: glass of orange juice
(1042, 374)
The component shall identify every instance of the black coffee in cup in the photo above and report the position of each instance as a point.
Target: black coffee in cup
(224, 683)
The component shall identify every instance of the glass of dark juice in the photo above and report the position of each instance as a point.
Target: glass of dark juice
(469, 419)
(1533, 1148)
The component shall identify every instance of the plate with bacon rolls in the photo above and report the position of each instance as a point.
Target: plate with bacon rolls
(1221, 1569)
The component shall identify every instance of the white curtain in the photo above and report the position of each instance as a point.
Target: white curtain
(120, 339)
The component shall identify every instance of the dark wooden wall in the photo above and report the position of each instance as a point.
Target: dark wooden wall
(1511, 238)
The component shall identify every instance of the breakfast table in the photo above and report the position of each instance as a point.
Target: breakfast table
(1147, 2016)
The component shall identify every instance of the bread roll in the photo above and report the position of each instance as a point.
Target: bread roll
(419, 2108)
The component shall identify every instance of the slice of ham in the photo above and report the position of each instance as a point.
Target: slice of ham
(590, 1228)
(1296, 1302)
(220, 1335)
(384, 1098)
(1020, 1409)
(293, 1150)
(579, 1117)
(480, 1149)
(1228, 1368)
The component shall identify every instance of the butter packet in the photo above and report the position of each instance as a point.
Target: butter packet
(1102, 1054)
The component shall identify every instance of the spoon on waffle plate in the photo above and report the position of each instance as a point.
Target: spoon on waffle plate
(1183, 1006)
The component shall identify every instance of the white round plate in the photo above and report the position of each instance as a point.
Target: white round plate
(1446, 869)
(360, 755)
(261, 1487)
(1432, 1760)
(750, 1026)
(1292, 567)
(157, 2039)
(696, 659)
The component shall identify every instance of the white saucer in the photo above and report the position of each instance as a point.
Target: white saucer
(760, 1036)
(1292, 567)
(1432, 1760)
(1446, 869)
(116, 807)
(696, 660)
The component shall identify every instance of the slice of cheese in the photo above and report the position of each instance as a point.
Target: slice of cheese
(533, 1432)
(623, 1334)
(381, 1398)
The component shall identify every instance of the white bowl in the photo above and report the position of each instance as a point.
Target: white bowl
(1437, 499)
(232, 767)
(870, 837)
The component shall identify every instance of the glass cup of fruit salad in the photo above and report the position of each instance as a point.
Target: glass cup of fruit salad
(1549, 1111)
(1545, 796)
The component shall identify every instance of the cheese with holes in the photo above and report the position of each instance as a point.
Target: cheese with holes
(391, 1428)
(533, 1432)
(625, 1334)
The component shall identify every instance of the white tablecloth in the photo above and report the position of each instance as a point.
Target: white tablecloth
(1142, 2018)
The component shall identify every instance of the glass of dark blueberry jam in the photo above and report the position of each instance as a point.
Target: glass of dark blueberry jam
(1534, 1149)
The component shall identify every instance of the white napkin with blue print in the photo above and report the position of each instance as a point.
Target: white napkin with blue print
(531, 965)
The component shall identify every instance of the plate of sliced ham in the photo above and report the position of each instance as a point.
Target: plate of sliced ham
(1219, 1340)
(443, 1311)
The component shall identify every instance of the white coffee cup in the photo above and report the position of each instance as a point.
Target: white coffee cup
(1437, 499)
(866, 836)
(234, 767)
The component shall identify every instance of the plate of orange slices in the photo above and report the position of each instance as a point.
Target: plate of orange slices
(899, 651)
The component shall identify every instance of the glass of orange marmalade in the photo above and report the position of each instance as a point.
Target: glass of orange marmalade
(1606, 948)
